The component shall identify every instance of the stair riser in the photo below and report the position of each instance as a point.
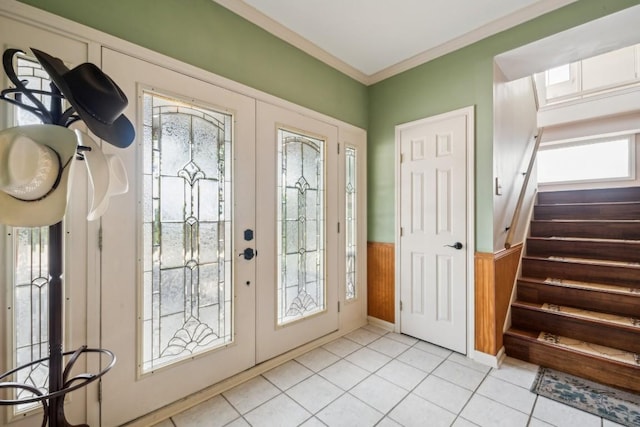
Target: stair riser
(587, 212)
(628, 231)
(624, 305)
(626, 194)
(581, 329)
(584, 366)
(614, 275)
(613, 251)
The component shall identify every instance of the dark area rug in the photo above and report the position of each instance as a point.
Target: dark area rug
(617, 405)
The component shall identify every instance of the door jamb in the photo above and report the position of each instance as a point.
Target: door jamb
(467, 112)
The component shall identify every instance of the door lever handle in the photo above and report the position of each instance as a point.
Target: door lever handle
(456, 245)
(248, 253)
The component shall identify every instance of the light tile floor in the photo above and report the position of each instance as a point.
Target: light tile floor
(374, 378)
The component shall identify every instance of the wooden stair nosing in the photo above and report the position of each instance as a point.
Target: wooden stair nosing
(622, 250)
(530, 316)
(524, 345)
(620, 229)
(613, 211)
(590, 195)
(603, 300)
(623, 275)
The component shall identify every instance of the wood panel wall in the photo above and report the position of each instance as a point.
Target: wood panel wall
(381, 287)
(495, 277)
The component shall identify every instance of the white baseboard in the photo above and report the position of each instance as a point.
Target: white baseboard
(488, 359)
(387, 326)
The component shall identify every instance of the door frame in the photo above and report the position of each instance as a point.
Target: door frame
(469, 114)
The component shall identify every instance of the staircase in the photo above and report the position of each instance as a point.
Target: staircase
(578, 297)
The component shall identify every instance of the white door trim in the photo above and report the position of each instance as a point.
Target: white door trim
(468, 112)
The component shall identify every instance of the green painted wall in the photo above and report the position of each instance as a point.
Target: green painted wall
(457, 80)
(204, 34)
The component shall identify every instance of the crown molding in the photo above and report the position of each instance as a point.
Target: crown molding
(256, 17)
(490, 29)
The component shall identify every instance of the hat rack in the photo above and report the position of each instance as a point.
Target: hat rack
(61, 379)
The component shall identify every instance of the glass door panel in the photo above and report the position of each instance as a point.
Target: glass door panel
(297, 272)
(187, 266)
(301, 226)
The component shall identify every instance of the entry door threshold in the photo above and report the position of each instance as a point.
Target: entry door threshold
(218, 388)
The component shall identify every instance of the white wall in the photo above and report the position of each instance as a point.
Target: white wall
(514, 132)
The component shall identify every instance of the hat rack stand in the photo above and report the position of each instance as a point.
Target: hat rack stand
(61, 379)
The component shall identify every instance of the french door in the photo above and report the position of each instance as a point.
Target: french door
(173, 309)
(297, 224)
(217, 258)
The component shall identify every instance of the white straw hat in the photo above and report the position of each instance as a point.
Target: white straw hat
(107, 176)
(36, 165)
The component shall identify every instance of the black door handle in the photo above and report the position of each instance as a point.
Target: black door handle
(248, 253)
(456, 245)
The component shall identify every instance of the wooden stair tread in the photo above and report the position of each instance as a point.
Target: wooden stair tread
(605, 365)
(594, 221)
(608, 353)
(576, 284)
(586, 261)
(599, 194)
(585, 239)
(634, 202)
(595, 316)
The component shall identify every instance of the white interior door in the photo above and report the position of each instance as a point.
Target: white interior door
(433, 224)
(297, 198)
(178, 303)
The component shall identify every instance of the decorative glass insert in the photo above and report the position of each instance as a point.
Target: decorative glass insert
(30, 269)
(351, 229)
(301, 226)
(187, 231)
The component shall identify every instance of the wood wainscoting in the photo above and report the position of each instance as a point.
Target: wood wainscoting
(381, 288)
(495, 277)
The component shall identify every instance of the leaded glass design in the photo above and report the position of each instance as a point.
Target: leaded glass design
(187, 231)
(301, 225)
(351, 221)
(30, 269)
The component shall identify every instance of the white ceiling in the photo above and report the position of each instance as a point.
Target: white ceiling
(374, 39)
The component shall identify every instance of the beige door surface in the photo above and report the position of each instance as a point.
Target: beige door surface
(174, 255)
(433, 221)
(297, 198)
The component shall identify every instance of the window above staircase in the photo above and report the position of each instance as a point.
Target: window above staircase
(603, 85)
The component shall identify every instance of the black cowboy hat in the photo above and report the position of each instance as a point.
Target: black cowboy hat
(94, 96)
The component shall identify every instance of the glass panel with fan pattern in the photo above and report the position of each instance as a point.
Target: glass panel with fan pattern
(301, 226)
(187, 231)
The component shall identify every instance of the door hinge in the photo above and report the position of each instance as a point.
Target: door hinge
(400, 305)
(100, 391)
(100, 238)
(338, 306)
(401, 231)
(338, 148)
(338, 228)
(401, 158)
